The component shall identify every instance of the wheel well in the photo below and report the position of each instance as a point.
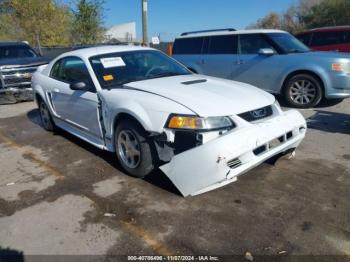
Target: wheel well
(307, 72)
(124, 116)
(121, 117)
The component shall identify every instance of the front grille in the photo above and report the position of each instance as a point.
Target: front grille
(15, 77)
(273, 143)
(17, 80)
(257, 114)
(234, 163)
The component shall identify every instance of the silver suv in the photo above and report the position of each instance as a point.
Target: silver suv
(273, 60)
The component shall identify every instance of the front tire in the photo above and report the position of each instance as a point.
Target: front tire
(303, 91)
(133, 149)
(45, 116)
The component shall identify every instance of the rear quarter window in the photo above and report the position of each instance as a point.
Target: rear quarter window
(188, 46)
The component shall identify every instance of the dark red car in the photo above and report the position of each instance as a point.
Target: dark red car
(335, 38)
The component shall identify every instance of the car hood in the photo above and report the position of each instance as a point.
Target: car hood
(207, 96)
(27, 61)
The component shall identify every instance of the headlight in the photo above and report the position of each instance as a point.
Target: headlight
(341, 67)
(199, 123)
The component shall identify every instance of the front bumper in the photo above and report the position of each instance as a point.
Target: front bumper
(219, 161)
(339, 86)
(15, 94)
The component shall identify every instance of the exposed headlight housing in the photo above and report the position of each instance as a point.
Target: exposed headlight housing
(189, 122)
(341, 67)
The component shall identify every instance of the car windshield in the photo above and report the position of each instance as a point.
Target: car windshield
(288, 43)
(16, 52)
(115, 69)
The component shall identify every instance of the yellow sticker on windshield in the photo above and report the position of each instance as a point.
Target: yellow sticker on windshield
(108, 78)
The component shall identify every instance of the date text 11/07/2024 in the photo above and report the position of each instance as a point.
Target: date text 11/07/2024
(173, 258)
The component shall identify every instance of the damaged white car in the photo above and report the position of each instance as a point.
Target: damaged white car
(201, 131)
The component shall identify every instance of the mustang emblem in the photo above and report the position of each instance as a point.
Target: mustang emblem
(259, 113)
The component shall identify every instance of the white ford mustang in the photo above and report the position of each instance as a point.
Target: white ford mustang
(202, 132)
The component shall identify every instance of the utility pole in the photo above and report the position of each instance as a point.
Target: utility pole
(144, 22)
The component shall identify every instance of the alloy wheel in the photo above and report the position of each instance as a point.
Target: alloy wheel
(303, 92)
(129, 148)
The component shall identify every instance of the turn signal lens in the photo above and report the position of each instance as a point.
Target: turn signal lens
(184, 122)
(341, 67)
(199, 123)
(337, 67)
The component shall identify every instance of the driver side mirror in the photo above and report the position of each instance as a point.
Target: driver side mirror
(79, 86)
(266, 51)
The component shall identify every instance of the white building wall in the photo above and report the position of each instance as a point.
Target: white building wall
(123, 32)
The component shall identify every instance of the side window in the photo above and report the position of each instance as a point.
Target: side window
(326, 38)
(345, 37)
(55, 70)
(73, 69)
(223, 44)
(184, 46)
(252, 43)
(305, 38)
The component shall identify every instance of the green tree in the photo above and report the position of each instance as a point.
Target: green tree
(293, 19)
(328, 13)
(88, 22)
(41, 22)
(270, 21)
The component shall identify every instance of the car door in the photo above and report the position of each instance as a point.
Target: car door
(256, 69)
(220, 56)
(77, 108)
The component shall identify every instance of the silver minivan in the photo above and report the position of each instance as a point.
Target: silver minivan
(273, 60)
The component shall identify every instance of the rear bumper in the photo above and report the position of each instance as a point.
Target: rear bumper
(15, 94)
(222, 160)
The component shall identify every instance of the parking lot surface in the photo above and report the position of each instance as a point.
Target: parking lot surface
(59, 195)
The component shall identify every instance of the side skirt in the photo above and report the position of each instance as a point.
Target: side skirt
(82, 134)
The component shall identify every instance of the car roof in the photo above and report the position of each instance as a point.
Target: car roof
(327, 29)
(13, 44)
(230, 32)
(105, 49)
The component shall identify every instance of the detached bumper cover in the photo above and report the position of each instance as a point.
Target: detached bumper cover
(219, 161)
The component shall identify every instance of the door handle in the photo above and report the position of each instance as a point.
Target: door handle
(56, 90)
(239, 62)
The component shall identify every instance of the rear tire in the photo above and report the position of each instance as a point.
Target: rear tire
(133, 149)
(303, 91)
(45, 116)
